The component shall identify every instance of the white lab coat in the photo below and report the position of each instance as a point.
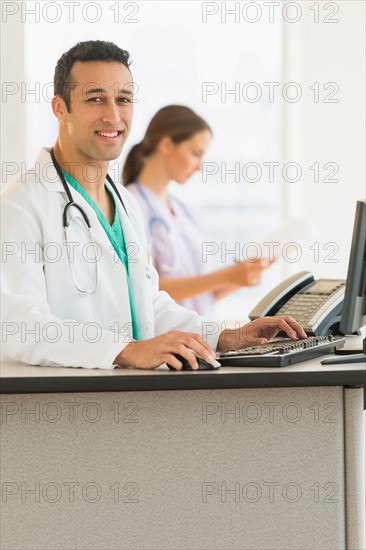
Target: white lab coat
(45, 321)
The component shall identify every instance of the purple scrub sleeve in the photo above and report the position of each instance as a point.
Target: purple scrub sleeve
(176, 242)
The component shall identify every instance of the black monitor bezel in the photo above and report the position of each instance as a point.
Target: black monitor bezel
(354, 305)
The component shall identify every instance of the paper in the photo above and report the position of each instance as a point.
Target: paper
(288, 236)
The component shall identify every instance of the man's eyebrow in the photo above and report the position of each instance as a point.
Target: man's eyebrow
(92, 91)
(126, 91)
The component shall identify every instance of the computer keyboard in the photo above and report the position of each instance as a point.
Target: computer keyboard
(281, 352)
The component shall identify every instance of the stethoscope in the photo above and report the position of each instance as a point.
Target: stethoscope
(67, 219)
(155, 220)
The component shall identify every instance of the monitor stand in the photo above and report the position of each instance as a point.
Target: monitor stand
(348, 356)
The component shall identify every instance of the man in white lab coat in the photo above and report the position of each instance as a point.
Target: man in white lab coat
(80, 296)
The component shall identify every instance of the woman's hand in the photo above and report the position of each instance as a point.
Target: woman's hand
(259, 332)
(246, 273)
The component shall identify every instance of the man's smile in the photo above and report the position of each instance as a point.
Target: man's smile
(109, 135)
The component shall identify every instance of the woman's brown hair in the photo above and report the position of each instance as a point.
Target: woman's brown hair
(175, 121)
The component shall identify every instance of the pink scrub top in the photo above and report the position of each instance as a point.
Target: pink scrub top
(176, 242)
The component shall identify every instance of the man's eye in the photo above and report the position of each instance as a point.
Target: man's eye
(94, 99)
(125, 99)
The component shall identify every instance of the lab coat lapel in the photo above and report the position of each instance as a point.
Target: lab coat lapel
(46, 172)
(139, 272)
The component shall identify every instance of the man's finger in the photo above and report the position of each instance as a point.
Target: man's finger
(257, 341)
(201, 348)
(171, 360)
(285, 327)
(295, 326)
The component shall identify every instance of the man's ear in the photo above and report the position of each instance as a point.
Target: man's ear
(165, 145)
(58, 107)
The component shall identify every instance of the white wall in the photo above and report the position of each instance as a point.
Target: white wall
(13, 137)
(326, 132)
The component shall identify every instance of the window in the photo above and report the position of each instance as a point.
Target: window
(195, 53)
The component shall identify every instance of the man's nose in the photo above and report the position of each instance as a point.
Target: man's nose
(111, 113)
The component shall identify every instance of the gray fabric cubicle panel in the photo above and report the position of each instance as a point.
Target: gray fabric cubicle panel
(205, 469)
(355, 469)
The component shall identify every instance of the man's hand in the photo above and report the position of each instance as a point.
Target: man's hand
(149, 354)
(259, 332)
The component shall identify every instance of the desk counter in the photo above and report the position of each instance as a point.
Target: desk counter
(237, 458)
(20, 378)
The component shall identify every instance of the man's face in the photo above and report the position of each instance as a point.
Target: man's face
(101, 110)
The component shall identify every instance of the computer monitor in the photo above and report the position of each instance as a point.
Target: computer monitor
(354, 305)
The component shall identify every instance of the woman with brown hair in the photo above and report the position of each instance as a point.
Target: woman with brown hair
(172, 149)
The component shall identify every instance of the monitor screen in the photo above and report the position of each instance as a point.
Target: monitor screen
(354, 308)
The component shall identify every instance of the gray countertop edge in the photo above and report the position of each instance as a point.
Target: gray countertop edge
(155, 381)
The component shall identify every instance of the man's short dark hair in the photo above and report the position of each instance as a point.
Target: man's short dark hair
(92, 50)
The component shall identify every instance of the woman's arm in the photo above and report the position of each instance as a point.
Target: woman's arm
(222, 282)
(225, 291)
